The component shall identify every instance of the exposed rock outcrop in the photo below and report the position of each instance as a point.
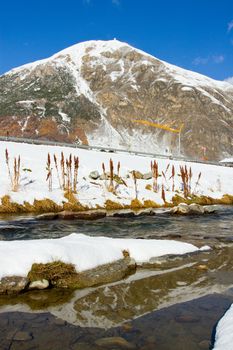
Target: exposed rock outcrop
(93, 91)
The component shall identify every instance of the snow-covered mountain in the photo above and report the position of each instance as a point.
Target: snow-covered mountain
(93, 91)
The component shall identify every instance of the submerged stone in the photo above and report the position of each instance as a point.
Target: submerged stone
(22, 336)
(114, 341)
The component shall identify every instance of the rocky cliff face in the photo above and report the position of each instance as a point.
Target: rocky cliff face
(93, 92)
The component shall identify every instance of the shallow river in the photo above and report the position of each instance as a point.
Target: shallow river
(174, 305)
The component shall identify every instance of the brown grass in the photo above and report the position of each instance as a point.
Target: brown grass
(150, 204)
(9, 207)
(226, 199)
(46, 206)
(111, 205)
(125, 253)
(73, 204)
(136, 204)
(56, 272)
(148, 187)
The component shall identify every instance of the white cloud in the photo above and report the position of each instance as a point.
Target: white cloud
(200, 60)
(218, 58)
(229, 80)
(210, 59)
(230, 26)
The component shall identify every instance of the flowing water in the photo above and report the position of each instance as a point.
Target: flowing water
(172, 305)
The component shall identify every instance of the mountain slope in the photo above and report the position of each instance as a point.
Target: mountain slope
(93, 92)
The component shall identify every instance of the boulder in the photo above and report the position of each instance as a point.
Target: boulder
(147, 176)
(47, 216)
(196, 209)
(209, 209)
(106, 273)
(125, 213)
(105, 176)
(182, 209)
(94, 175)
(12, 284)
(82, 215)
(40, 284)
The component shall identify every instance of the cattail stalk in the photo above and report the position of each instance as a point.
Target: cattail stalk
(76, 166)
(58, 176)
(8, 166)
(135, 184)
(49, 172)
(111, 166)
(198, 182)
(155, 175)
(163, 194)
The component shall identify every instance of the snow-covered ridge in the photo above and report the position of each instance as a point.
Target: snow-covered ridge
(84, 252)
(97, 47)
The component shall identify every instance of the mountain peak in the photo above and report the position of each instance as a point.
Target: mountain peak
(94, 90)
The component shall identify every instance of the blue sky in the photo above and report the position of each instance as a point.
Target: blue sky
(194, 34)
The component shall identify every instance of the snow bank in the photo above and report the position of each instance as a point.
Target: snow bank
(224, 332)
(215, 180)
(85, 252)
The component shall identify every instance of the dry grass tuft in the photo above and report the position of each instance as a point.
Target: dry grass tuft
(150, 204)
(226, 199)
(56, 272)
(111, 205)
(125, 253)
(10, 207)
(45, 206)
(136, 204)
(73, 204)
(148, 187)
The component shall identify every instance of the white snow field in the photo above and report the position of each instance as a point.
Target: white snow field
(215, 181)
(84, 252)
(224, 332)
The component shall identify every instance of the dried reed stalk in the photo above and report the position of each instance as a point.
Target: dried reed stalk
(76, 166)
(62, 165)
(173, 178)
(15, 178)
(57, 171)
(135, 183)
(49, 172)
(197, 182)
(163, 194)
(8, 166)
(118, 168)
(111, 185)
(155, 175)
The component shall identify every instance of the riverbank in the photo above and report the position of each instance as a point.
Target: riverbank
(42, 179)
